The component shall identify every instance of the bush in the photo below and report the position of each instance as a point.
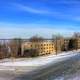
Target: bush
(31, 53)
(71, 44)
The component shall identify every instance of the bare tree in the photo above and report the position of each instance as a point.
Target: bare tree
(58, 41)
(15, 46)
(36, 39)
(76, 35)
(3, 49)
(57, 36)
(1, 54)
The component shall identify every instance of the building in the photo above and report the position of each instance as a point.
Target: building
(77, 43)
(42, 47)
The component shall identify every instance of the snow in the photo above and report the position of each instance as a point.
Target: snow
(75, 76)
(36, 62)
(39, 61)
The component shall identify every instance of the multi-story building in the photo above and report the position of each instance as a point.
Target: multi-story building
(77, 43)
(43, 47)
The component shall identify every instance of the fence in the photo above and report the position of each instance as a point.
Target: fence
(13, 47)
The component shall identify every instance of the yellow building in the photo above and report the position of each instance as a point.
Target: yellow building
(77, 43)
(43, 47)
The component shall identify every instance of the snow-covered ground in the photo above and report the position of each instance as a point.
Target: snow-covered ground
(10, 64)
(75, 76)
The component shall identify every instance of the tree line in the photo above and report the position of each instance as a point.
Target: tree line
(12, 48)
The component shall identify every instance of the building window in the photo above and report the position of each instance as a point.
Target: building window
(31, 45)
(41, 48)
(41, 45)
(49, 44)
(44, 44)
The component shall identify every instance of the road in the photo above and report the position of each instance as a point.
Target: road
(49, 72)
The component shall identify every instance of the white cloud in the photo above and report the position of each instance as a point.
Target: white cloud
(26, 32)
(50, 12)
(30, 9)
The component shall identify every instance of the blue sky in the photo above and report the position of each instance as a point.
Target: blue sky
(25, 18)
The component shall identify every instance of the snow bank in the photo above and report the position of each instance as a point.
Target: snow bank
(40, 61)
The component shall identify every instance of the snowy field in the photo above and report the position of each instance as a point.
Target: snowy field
(40, 61)
(33, 63)
(9, 68)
